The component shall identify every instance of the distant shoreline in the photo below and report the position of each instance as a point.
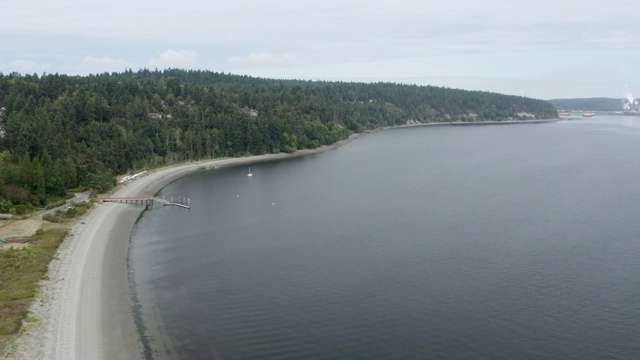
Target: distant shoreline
(472, 123)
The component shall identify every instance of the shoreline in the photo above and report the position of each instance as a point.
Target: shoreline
(85, 308)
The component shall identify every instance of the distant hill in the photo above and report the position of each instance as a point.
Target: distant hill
(60, 132)
(588, 104)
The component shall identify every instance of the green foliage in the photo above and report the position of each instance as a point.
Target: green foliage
(588, 104)
(289, 143)
(20, 271)
(64, 132)
(19, 209)
(70, 212)
(55, 204)
(81, 208)
(51, 218)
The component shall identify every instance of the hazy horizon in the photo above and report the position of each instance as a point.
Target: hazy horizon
(539, 49)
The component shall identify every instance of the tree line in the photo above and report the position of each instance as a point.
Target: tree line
(589, 104)
(59, 132)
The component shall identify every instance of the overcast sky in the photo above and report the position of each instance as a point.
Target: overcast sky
(542, 49)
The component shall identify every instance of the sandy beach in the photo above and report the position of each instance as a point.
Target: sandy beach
(84, 309)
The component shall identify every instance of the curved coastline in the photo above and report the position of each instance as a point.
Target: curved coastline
(85, 308)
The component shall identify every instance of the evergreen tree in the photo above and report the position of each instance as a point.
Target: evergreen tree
(69, 131)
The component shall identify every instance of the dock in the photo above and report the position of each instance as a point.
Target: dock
(148, 200)
(141, 200)
(183, 203)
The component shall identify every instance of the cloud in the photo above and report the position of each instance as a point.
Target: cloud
(95, 65)
(182, 59)
(24, 67)
(264, 59)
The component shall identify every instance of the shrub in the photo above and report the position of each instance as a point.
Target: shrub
(20, 209)
(55, 204)
(51, 218)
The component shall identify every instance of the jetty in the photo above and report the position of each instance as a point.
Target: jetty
(141, 200)
(148, 200)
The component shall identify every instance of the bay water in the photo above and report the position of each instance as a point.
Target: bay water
(436, 242)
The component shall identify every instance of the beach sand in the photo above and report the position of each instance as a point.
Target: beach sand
(84, 309)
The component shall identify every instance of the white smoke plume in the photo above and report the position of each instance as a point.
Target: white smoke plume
(630, 103)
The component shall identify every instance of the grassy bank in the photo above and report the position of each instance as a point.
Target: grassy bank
(22, 269)
(20, 272)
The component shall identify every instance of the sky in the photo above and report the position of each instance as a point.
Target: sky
(541, 49)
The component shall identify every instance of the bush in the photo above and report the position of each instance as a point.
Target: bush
(70, 212)
(78, 189)
(55, 204)
(51, 218)
(82, 207)
(20, 209)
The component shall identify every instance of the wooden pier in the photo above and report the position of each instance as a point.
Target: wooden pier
(148, 200)
(141, 200)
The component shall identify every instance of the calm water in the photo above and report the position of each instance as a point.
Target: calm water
(494, 242)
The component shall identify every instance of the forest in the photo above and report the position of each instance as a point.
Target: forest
(589, 104)
(61, 132)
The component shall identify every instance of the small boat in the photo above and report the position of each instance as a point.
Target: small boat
(249, 174)
(588, 114)
(565, 113)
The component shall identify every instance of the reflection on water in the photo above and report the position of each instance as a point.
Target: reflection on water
(631, 121)
(629, 125)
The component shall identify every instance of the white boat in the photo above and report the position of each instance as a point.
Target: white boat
(249, 174)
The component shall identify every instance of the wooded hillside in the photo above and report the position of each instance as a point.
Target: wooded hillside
(60, 132)
(588, 104)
